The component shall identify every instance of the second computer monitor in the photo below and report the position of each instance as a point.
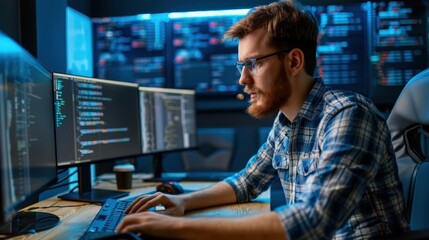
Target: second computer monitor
(167, 119)
(95, 119)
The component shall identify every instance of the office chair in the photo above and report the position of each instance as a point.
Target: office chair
(214, 153)
(408, 120)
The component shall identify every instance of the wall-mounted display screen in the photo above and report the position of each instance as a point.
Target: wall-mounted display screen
(371, 47)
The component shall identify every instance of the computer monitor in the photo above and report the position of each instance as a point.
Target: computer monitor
(170, 50)
(132, 48)
(399, 47)
(27, 139)
(96, 120)
(342, 42)
(201, 60)
(168, 122)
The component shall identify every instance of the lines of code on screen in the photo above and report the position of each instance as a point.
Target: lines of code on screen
(95, 119)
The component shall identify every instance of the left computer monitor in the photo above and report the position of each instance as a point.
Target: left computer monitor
(96, 120)
(27, 140)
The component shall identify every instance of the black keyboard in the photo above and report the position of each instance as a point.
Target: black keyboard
(110, 215)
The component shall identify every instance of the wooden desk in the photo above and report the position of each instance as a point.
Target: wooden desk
(75, 217)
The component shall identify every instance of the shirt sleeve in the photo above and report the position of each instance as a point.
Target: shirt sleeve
(350, 146)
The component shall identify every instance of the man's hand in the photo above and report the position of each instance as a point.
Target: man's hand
(149, 223)
(173, 204)
(153, 224)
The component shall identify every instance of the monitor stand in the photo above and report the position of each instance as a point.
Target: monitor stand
(29, 222)
(156, 169)
(86, 193)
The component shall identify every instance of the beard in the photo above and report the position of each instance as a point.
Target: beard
(269, 102)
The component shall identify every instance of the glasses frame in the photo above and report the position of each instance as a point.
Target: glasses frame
(250, 64)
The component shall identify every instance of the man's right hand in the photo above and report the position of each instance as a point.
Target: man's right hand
(173, 204)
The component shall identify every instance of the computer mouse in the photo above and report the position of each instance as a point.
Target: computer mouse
(170, 188)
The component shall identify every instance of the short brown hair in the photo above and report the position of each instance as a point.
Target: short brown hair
(288, 25)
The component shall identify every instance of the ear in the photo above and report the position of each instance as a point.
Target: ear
(296, 61)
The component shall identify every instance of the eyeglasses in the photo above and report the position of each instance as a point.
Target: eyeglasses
(251, 65)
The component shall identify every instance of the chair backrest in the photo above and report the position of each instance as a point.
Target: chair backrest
(214, 153)
(408, 120)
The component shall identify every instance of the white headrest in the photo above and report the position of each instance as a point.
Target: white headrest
(411, 108)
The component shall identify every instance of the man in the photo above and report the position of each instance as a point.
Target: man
(331, 149)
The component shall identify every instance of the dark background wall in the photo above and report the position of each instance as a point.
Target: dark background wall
(9, 18)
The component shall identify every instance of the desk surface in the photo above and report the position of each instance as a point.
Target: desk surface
(75, 217)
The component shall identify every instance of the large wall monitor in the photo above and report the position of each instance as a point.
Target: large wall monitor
(399, 46)
(341, 58)
(176, 50)
(371, 47)
(27, 140)
(96, 120)
(132, 48)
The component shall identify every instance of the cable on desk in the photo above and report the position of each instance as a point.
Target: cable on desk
(66, 177)
(61, 185)
(72, 190)
(62, 171)
(54, 206)
(57, 185)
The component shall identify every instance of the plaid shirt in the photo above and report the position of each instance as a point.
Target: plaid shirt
(337, 167)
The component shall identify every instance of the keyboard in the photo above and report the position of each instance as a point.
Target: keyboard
(107, 218)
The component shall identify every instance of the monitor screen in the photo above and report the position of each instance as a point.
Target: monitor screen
(341, 56)
(370, 47)
(167, 119)
(132, 48)
(27, 140)
(79, 43)
(398, 49)
(95, 119)
(171, 50)
(201, 60)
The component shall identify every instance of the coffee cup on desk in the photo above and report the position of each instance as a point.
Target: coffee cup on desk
(124, 175)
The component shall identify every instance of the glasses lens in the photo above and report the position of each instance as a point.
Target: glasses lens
(251, 66)
(239, 66)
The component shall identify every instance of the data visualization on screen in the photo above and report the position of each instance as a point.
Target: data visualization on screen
(167, 119)
(172, 50)
(399, 46)
(370, 47)
(95, 119)
(132, 48)
(202, 61)
(341, 59)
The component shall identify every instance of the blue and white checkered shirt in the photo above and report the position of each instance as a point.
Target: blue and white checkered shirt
(337, 167)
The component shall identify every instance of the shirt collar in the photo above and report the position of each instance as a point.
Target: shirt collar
(309, 109)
